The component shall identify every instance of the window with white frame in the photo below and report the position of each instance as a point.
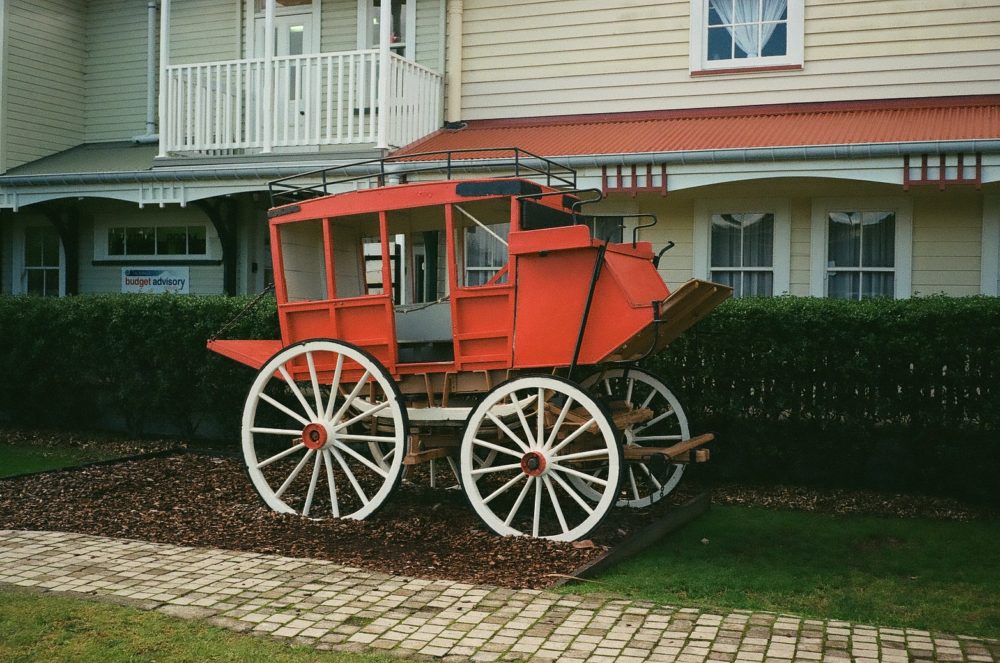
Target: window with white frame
(861, 254)
(157, 241)
(42, 262)
(745, 244)
(401, 31)
(743, 252)
(735, 34)
(861, 249)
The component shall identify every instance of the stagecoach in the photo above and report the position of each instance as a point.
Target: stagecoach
(482, 318)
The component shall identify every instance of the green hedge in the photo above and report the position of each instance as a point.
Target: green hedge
(898, 395)
(886, 394)
(135, 359)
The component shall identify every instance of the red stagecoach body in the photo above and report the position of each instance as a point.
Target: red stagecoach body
(360, 270)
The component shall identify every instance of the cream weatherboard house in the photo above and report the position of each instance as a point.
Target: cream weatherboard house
(834, 148)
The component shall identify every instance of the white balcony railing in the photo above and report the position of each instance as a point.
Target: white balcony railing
(315, 100)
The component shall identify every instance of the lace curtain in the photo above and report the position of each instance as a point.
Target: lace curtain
(749, 30)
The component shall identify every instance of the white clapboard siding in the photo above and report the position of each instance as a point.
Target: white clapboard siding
(530, 57)
(116, 70)
(44, 80)
(339, 19)
(205, 31)
(430, 40)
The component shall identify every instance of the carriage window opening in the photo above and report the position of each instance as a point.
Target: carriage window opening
(304, 260)
(606, 228)
(482, 229)
(535, 216)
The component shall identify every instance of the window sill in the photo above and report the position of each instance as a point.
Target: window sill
(745, 70)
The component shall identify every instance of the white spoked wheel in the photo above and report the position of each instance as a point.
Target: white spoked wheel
(544, 431)
(324, 431)
(644, 482)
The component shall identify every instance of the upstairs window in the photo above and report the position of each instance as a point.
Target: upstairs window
(745, 34)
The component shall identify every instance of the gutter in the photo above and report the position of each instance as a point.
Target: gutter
(685, 157)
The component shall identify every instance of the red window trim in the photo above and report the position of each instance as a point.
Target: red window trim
(746, 70)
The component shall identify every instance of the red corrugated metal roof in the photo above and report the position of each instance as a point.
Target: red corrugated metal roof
(892, 121)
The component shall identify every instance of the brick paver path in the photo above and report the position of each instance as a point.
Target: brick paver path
(330, 606)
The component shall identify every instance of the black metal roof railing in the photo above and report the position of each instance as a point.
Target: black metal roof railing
(509, 162)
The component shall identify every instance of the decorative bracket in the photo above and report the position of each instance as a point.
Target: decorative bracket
(946, 172)
(635, 181)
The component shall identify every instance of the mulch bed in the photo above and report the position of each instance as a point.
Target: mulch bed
(202, 500)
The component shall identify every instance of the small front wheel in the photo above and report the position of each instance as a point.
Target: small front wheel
(324, 431)
(539, 435)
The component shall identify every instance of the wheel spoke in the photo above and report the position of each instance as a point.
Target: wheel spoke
(502, 426)
(520, 415)
(334, 387)
(350, 475)
(572, 493)
(504, 488)
(555, 504)
(317, 396)
(650, 475)
(580, 455)
(496, 447)
(628, 390)
(295, 473)
(658, 438)
(312, 485)
(541, 416)
(366, 438)
(519, 500)
(361, 459)
(567, 406)
(334, 505)
(350, 397)
(655, 420)
(582, 475)
(294, 415)
(495, 468)
(296, 391)
(279, 456)
(364, 415)
(631, 480)
(288, 432)
(607, 386)
(538, 508)
(572, 436)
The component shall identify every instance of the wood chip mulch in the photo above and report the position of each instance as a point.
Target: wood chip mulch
(206, 500)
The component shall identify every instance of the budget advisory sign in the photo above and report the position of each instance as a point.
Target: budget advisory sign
(156, 280)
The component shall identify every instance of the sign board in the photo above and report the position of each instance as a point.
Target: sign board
(156, 280)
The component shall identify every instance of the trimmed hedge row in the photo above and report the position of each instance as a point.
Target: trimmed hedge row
(886, 394)
(133, 360)
(900, 395)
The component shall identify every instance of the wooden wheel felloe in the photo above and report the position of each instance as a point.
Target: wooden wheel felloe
(644, 482)
(545, 431)
(324, 431)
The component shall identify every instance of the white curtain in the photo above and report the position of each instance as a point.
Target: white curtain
(744, 18)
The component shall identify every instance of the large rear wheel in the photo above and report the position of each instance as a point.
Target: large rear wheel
(644, 482)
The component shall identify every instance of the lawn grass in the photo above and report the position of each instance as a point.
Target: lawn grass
(23, 459)
(927, 574)
(46, 627)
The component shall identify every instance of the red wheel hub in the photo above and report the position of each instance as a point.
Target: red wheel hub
(314, 436)
(533, 463)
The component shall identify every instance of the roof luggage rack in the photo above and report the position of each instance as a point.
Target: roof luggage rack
(510, 162)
